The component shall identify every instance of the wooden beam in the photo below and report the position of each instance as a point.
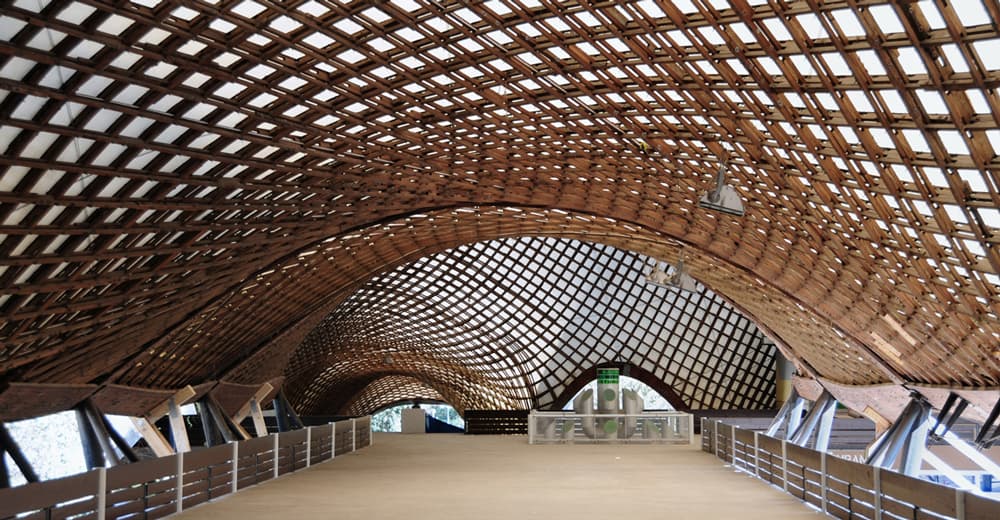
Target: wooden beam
(179, 398)
(262, 394)
(178, 430)
(151, 434)
(28, 400)
(259, 425)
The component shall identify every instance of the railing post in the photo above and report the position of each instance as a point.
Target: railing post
(102, 492)
(690, 424)
(531, 427)
(179, 500)
(959, 504)
(784, 465)
(354, 437)
(878, 493)
(333, 440)
(715, 430)
(756, 454)
(371, 435)
(274, 459)
(309, 432)
(732, 444)
(235, 472)
(822, 478)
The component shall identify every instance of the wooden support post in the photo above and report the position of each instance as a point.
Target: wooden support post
(178, 430)
(333, 440)
(354, 436)
(9, 445)
(259, 425)
(247, 408)
(181, 397)
(959, 504)
(156, 441)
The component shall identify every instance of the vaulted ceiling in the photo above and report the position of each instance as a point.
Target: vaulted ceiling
(188, 190)
(512, 323)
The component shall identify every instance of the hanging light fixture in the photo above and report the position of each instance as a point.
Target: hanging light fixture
(723, 198)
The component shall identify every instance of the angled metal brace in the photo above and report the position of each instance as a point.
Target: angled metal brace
(950, 412)
(9, 446)
(789, 415)
(985, 439)
(821, 415)
(103, 425)
(285, 414)
(906, 438)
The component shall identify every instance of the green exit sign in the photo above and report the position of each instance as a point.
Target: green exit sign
(607, 376)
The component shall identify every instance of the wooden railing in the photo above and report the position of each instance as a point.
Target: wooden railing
(838, 487)
(159, 487)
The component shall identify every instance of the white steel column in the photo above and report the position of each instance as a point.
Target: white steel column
(309, 432)
(102, 492)
(274, 460)
(179, 500)
(236, 466)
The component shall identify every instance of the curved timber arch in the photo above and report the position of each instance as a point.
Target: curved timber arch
(560, 301)
(750, 293)
(165, 171)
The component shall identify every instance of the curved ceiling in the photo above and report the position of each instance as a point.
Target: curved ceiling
(164, 162)
(386, 391)
(509, 324)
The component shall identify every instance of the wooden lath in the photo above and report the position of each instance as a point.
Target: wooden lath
(181, 183)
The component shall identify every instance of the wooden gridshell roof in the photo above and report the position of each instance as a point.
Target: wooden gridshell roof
(188, 189)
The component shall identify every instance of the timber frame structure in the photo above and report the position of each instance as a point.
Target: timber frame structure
(193, 193)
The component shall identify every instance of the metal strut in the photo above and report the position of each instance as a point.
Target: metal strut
(790, 414)
(906, 439)
(821, 415)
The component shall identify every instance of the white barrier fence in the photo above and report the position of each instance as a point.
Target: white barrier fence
(644, 428)
(839, 487)
(163, 486)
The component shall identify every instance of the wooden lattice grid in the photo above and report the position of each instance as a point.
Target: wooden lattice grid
(524, 318)
(160, 157)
